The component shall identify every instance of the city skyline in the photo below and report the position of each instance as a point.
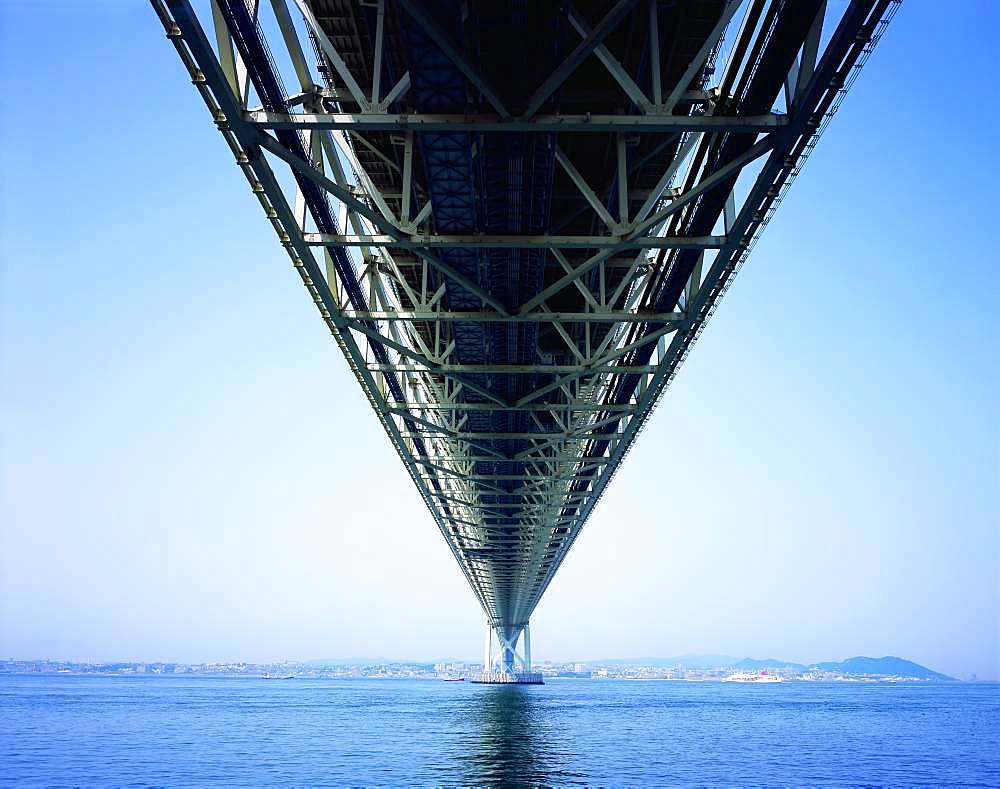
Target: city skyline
(820, 479)
(682, 667)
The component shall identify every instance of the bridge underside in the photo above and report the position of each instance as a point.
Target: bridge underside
(516, 218)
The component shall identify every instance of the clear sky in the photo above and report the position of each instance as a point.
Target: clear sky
(190, 472)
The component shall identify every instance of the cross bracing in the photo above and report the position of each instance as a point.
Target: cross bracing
(516, 219)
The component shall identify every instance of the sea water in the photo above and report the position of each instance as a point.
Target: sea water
(198, 730)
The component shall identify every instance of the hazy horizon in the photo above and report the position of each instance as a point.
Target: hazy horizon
(540, 659)
(190, 472)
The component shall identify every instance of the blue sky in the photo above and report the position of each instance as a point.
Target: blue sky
(190, 473)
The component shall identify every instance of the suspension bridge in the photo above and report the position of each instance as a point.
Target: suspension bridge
(516, 218)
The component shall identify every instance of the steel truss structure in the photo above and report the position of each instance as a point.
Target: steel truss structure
(516, 219)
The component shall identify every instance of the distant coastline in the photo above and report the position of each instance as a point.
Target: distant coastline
(688, 668)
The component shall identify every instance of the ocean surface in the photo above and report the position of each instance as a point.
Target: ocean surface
(166, 730)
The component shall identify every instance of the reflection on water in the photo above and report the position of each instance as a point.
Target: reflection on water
(509, 740)
(226, 731)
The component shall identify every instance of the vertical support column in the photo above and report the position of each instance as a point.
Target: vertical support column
(654, 53)
(488, 650)
(377, 61)
(622, 182)
(404, 217)
(527, 649)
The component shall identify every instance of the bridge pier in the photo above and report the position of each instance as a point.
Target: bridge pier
(508, 666)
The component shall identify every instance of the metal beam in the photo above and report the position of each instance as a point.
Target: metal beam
(580, 53)
(516, 369)
(698, 61)
(545, 407)
(611, 316)
(438, 35)
(654, 51)
(269, 143)
(810, 49)
(610, 62)
(514, 241)
(333, 55)
(586, 191)
(378, 55)
(587, 124)
(676, 205)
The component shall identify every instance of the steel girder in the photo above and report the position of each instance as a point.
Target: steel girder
(513, 354)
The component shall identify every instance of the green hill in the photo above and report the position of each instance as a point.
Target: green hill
(889, 666)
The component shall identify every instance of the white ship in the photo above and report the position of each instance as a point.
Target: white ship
(745, 676)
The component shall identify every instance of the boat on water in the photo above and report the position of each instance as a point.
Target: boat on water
(453, 679)
(277, 676)
(746, 676)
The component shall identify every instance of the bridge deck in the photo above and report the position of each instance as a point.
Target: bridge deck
(516, 218)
